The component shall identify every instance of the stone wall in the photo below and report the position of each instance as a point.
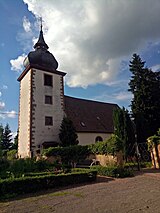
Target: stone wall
(110, 160)
(104, 160)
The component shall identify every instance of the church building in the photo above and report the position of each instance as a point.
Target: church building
(43, 105)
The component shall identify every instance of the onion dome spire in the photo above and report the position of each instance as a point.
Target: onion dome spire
(41, 57)
(41, 42)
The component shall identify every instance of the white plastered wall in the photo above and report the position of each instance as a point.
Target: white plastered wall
(24, 116)
(89, 138)
(41, 132)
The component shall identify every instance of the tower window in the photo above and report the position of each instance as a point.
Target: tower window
(48, 99)
(48, 81)
(48, 121)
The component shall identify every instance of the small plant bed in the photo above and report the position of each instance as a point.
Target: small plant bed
(15, 186)
(113, 171)
(17, 168)
(134, 165)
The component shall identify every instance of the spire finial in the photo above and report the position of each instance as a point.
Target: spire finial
(41, 22)
(41, 44)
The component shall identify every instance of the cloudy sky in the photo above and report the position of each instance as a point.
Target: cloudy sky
(93, 41)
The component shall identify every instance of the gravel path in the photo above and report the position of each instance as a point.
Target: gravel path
(138, 194)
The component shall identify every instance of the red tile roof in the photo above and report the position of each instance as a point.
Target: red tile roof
(90, 116)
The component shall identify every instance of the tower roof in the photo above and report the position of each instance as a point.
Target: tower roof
(41, 57)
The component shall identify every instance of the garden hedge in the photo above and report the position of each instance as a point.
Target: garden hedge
(32, 184)
(113, 171)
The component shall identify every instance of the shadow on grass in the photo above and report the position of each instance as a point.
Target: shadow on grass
(45, 192)
(102, 179)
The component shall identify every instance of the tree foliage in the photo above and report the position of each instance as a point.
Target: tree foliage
(1, 134)
(15, 143)
(5, 137)
(154, 140)
(1, 138)
(145, 105)
(124, 129)
(67, 135)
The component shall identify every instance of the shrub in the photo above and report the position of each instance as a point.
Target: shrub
(113, 171)
(133, 165)
(99, 147)
(4, 166)
(153, 141)
(21, 166)
(110, 146)
(16, 168)
(74, 154)
(33, 184)
(34, 174)
(115, 144)
(12, 154)
(68, 154)
(42, 165)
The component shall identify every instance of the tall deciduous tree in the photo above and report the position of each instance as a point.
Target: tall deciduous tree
(145, 105)
(67, 133)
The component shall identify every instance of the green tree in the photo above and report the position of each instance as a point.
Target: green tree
(1, 139)
(1, 133)
(7, 138)
(124, 129)
(119, 125)
(129, 134)
(67, 135)
(145, 105)
(15, 143)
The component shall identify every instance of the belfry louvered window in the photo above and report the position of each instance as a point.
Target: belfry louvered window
(48, 81)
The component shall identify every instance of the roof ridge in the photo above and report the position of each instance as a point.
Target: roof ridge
(88, 100)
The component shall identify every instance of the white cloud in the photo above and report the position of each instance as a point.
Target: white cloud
(90, 38)
(4, 87)
(156, 67)
(121, 98)
(2, 105)
(8, 114)
(26, 24)
(2, 116)
(0, 93)
(11, 114)
(17, 64)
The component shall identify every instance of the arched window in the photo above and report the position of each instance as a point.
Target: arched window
(98, 139)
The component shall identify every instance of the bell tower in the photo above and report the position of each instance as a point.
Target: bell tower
(41, 103)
